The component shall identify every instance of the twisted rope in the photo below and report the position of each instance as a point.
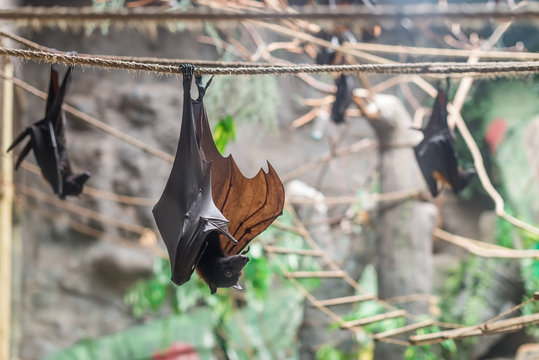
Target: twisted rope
(424, 12)
(491, 68)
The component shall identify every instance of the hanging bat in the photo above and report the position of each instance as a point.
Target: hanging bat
(209, 212)
(435, 154)
(48, 142)
(328, 56)
(345, 82)
(343, 97)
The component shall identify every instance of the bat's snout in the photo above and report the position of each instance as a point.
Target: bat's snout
(243, 259)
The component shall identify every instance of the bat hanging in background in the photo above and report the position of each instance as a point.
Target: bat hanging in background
(435, 154)
(328, 56)
(209, 211)
(343, 97)
(48, 142)
(345, 82)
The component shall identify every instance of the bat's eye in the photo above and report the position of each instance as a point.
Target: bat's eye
(228, 274)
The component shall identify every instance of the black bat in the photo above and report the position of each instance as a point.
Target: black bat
(328, 56)
(435, 154)
(345, 82)
(209, 211)
(48, 142)
(343, 97)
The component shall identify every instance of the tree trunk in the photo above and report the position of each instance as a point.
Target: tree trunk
(404, 247)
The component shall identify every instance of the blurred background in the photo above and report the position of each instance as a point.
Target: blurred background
(89, 277)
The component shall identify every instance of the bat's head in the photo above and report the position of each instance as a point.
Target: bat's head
(217, 268)
(226, 272)
(73, 185)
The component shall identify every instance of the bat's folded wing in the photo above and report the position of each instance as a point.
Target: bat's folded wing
(249, 204)
(46, 153)
(186, 214)
(428, 155)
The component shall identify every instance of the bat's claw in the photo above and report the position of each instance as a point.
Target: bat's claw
(244, 252)
(188, 70)
(201, 87)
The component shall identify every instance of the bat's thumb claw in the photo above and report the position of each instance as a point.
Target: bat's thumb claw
(246, 250)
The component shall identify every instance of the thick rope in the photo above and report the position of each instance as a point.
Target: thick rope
(424, 12)
(439, 68)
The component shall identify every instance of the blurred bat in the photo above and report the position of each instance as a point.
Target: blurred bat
(435, 154)
(345, 82)
(48, 142)
(209, 211)
(343, 97)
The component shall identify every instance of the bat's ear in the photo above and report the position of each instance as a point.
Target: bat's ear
(213, 289)
(237, 287)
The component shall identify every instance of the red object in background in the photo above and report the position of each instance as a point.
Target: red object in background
(495, 134)
(177, 351)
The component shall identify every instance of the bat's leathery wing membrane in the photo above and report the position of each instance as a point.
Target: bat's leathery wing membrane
(250, 205)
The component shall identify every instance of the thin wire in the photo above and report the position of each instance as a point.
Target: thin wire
(445, 68)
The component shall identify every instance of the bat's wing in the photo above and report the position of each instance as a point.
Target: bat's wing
(438, 162)
(54, 87)
(450, 168)
(428, 155)
(49, 137)
(438, 118)
(185, 214)
(71, 184)
(45, 148)
(56, 115)
(250, 205)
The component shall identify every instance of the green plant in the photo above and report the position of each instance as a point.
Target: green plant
(224, 131)
(264, 296)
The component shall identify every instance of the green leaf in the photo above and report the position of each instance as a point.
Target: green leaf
(328, 352)
(224, 131)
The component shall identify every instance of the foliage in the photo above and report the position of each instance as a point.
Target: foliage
(224, 131)
(260, 278)
(529, 269)
(141, 341)
(530, 274)
(259, 94)
(427, 352)
(515, 101)
(368, 282)
(328, 352)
